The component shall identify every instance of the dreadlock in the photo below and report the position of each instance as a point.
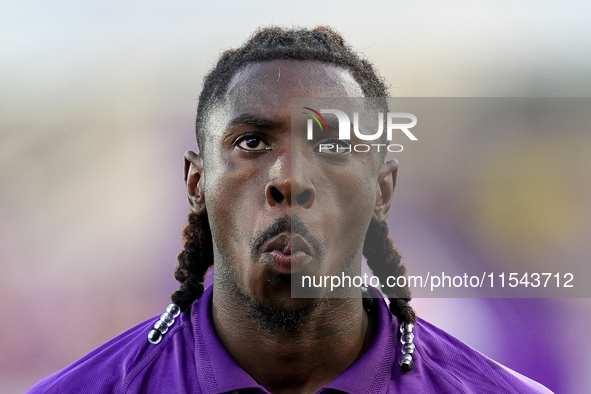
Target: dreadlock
(321, 44)
(194, 260)
(384, 260)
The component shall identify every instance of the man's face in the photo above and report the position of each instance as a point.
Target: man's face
(276, 205)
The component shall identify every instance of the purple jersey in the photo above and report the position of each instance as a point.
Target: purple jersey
(191, 359)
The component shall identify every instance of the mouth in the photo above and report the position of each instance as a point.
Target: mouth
(287, 254)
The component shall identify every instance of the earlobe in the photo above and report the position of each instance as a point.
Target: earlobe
(194, 182)
(385, 190)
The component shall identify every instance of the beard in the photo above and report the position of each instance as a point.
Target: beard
(273, 318)
(276, 319)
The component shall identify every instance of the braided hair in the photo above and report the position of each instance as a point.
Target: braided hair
(320, 44)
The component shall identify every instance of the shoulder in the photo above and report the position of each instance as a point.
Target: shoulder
(120, 365)
(444, 356)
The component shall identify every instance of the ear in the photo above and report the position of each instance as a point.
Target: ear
(194, 181)
(385, 190)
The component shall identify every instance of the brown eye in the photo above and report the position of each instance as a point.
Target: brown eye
(252, 143)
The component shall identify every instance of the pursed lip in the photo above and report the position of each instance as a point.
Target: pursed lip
(287, 253)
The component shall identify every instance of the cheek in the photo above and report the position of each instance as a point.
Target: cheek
(357, 208)
(223, 210)
(348, 205)
(231, 192)
(348, 193)
(226, 204)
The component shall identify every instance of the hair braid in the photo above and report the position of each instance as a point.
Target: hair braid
(384, 260)
(194, 260)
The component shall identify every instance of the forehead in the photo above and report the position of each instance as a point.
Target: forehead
(273, 83)
(266, 89)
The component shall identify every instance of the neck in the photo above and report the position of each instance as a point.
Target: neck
(304, 359)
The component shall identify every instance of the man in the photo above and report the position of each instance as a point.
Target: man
(267, 207)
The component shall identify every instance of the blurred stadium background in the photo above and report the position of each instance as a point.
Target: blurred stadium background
(97, 101)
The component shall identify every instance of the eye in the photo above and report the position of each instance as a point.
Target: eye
(333, 147)
(252, 143)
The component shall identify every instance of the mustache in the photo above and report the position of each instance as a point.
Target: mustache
(293, 224)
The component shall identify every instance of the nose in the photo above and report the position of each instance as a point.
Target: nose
(289, 184)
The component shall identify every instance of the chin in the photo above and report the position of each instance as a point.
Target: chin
(282, 315)
(274, 310)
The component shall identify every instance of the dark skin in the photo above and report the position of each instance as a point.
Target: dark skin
(253, 172)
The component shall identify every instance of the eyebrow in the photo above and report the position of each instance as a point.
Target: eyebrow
(252, 120)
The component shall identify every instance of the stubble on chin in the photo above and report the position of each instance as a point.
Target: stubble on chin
(274, 316)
